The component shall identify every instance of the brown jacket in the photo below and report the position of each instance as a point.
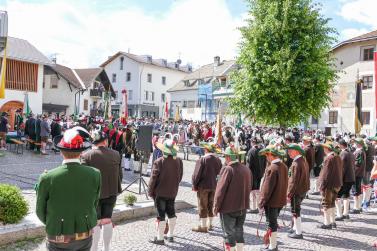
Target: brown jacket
(274, 187)
(310, 156)
(108, 162)
(331, 175)
(299, 180)
(348, 160)
(360, 163)
(166, 176)
(233, 189)
(206, 170)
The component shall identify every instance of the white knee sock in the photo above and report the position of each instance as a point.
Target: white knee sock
(203, 222)
(338, 205)
(326, 217)
(96, 236)
(298, 225)
(172, 222)
(253, 200)
(346, 207)
(273, 240)
(239, 246)
(160, 230)
(355, 203)
(210, 221)
(107, 235)
(332, 215)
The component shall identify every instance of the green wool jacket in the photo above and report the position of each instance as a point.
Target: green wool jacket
(67, 198)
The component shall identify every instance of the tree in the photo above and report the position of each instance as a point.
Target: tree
(286, 69)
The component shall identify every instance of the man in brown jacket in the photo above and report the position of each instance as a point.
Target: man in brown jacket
(232, 199)
(298, 185)
(204, 183)
(330, 183)
(108, 162)
(273, 192)
(309, 151)
(166, 175)
(348, 161)
(360, 169)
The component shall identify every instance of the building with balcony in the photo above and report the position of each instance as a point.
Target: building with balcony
(24, 73)
(354, 59)
(80, 91)
(201, 94)
(146, 80)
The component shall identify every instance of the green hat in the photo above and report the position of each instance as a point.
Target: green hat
(306, 138)
(233, 153)
(359, 141)
(373, 138)
(296, 147)
(273, 150)
(167, 148)
(211, 147)
(330, 146)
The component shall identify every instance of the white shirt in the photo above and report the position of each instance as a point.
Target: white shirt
(275, 161)
(71, 161)
(297, 157)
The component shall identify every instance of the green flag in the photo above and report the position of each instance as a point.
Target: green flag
(26, 107)
(239, 121)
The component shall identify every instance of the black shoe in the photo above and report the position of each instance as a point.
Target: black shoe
(333, 225)
(323, 226)
(341, 218)
(256, 211)
(307, 196)
(157, 242)
(267, 249)
(355, 211)
(346, 217)
(169, 239)
(296, 236)
(127, 169)
(315, 193)
(291, 231)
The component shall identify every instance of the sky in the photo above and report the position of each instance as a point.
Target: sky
(83, 33)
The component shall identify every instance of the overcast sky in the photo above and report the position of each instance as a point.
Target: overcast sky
(84, 33)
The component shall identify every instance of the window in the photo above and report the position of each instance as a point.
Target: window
(116, 95)
(152, 98)
(367, 82)
(85, 104)
(367, 53)
(54, 82)
(149, 78)
(365, 117)
(314, 121)
(128, 79)
(114, 78)
(164, 80)
(130, 92)
(121, 63)
(146, 95)
(333, 117)
(163, 97)
(184, 103)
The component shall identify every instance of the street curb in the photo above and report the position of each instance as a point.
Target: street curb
(30, 227)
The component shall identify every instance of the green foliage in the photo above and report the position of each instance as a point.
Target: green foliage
(287, 70)
(13, 206)
(129, 199)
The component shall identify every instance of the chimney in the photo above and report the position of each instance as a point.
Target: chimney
(216, 61)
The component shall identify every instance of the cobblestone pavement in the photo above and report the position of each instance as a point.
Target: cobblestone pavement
(356, 234)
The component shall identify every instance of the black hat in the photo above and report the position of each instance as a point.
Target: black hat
(4, 114)
(98, 136)
(342, 142)
(76, 139)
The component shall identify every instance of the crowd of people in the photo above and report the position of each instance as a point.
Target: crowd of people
(264, 170)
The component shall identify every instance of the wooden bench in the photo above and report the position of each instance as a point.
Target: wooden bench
(30, 142)
(17, 144)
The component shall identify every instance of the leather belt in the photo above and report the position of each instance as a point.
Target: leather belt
(69, 238)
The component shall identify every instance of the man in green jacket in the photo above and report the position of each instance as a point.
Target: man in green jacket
(67, 196)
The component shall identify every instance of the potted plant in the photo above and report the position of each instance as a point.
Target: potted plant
(13, 206)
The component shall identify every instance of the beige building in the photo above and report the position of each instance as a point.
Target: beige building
(354, 59)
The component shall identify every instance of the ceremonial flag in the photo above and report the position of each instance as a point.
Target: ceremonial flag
(26, 109)
(166, 110)
(3, 74)
(358, 107)
(107, 106)
(375, 79)
(239, 121)
(124, 110)
(219, 136)
(177, 116)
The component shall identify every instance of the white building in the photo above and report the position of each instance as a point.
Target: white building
(354, 60)
(200, 94)
(25, 71)
(146, 81)
(67, 90)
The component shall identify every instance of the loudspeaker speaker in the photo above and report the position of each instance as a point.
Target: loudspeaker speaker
(144, 138)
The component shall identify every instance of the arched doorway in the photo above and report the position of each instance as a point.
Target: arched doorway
(10, 107)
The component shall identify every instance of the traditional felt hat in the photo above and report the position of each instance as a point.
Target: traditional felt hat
(167, 148)
(211, 147)
(232, 152)
(296, 147)
(374, 138)
(359, 141)
(306, 138)
(273, 150)
(76, 139)
(98, 136)
(330, 146)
